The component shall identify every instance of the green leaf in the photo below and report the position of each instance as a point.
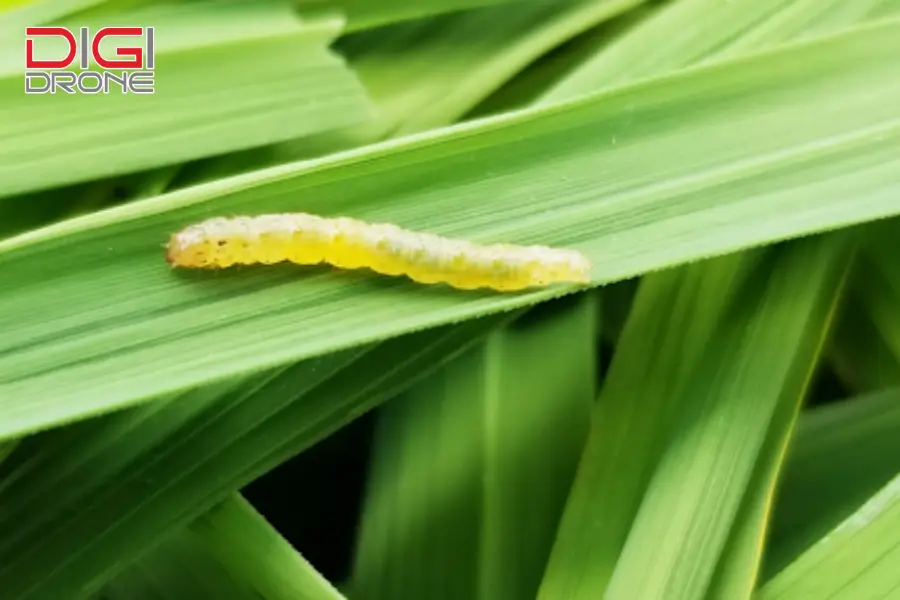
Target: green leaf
(684, 430)
(30, 13)
(30, 211)
(458, 483)
(428, 74)
(81, 502)
(737, 571)
(248, 547)
(887, 8)
(181, 569)
(552, 68)
(230, 552)
(841, 455)
(879, 285)
(6, 449)
(217, 90)
(859, 353)
(671, 40)
(672, 319)
(857, 559)
(640, 178)
(364, 14)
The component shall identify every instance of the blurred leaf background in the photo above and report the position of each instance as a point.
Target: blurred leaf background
(716, 418)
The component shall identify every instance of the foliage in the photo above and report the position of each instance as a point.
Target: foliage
(732, 169)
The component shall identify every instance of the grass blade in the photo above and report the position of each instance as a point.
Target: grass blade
(653, 165)
(456, 477)
(250, 549)
(841, 455)
(363, 14)
(654, 356)
(428, 74)
(57, 139)
(732, 404)
(230, 552)
(670, 40)
(80, 503)
(857, 559)
(860, 355)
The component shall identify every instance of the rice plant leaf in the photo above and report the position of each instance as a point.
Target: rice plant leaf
(31, 211)
(857, 559)
(738, 413)
(528, 86)
(665, 42)
(6, 449)
(428, 74)
(861, 354)
(28, 13)
(842, 454)
(841, 14)
(459, 484)
(879, 285)
(793, 20)
(739, 567)
(229, 552)
(180, 569)
(363, 14)
(251, 550)
(217, 90)
(672, 320)
(669, 40)
(82, 502)
(886, 8)
(639, 178)
(730, 414)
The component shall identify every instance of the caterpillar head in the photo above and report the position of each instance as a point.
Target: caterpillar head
(190, 248)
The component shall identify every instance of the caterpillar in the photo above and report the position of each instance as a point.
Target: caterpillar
(382, 247)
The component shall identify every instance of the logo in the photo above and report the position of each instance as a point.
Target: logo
(130, 72)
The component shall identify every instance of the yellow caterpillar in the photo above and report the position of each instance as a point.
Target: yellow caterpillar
(384, 248)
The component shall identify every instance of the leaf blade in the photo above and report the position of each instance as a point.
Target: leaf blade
(803, 167)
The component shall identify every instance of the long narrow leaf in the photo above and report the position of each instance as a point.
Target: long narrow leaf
(641, 178)
(230, 552)
(670, 40)
(462, 503)
(722, 429)
(426, 75)
(217, 89)
(857, 559)
(842, 455)
(128, 481)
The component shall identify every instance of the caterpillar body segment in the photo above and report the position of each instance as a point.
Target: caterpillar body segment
(382, 247)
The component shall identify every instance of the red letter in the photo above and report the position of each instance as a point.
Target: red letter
(31, 63)
(137, 54)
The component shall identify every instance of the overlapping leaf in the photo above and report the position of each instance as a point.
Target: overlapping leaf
(230, 552)
(687, 434)
(841, 455)
(457, 478)
(640, 178)
(80, 503)
(683, 166)
(217, 90)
